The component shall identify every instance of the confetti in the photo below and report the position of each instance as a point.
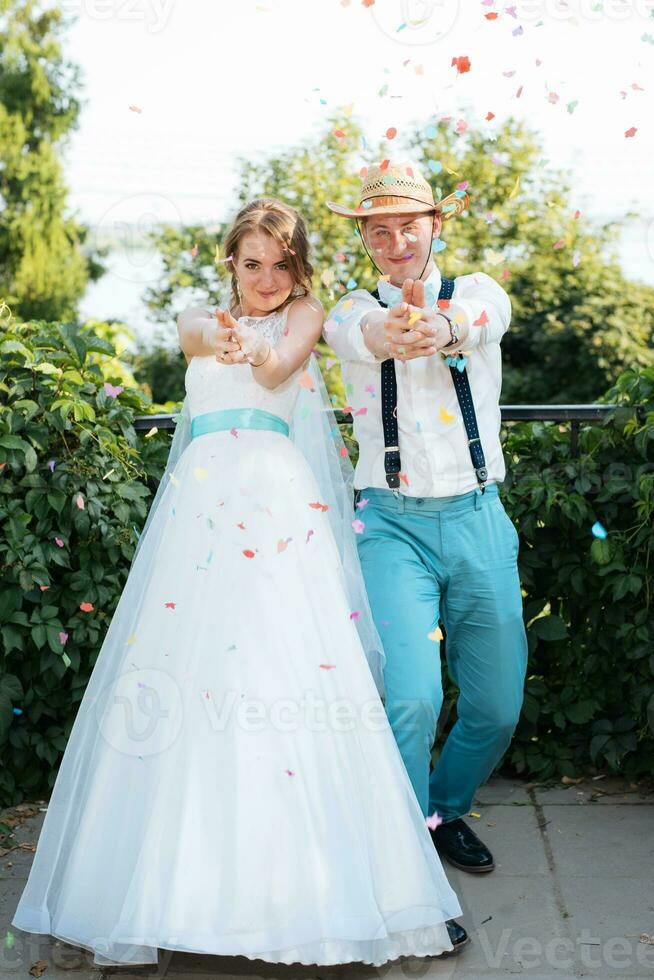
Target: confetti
(282, 544)
(631, 132)
(391, 133)
(359, 526)
(434, 821)
(444, 415)
(289, 772)
(79, 500)
(477, 816)
(112, 391)
(309, 535)
(194, 250)
(481, 320)
(362, 503)
(355, 615)
(599, 531)
(51, 464)
(86, 606)
(306, 381)
(248, 553)
(435, 635)
(63, 638)
(462, 64)
(318, 506)
(152, 432)
(414, 317)
(200, 473)
(327, 666)
(59, 542)
(135, 108)
(170, 605)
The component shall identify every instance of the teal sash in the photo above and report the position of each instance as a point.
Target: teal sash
(237, 418)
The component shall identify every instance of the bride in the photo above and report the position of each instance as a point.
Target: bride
(231, 784)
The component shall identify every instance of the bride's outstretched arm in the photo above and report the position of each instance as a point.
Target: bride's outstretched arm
(271, 366)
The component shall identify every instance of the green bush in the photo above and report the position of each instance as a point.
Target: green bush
(588, 600)
(75, 484)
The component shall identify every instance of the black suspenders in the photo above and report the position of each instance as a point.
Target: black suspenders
(392, 464)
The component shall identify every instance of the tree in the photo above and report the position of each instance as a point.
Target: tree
(43, 272)
(577, 320)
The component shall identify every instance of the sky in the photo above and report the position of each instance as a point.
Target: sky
(217, 80)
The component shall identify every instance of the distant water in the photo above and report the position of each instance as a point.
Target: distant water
(119, 294)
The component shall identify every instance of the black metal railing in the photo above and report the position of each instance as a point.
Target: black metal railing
(574, 414)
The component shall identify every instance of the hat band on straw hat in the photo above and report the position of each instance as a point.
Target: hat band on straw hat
(390, 201)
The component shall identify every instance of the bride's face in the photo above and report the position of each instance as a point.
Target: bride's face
(264, 276)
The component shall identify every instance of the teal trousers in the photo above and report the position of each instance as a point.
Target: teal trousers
(453, 558)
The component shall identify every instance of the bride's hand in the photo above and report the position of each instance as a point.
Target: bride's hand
(218, 334)
(254, 346)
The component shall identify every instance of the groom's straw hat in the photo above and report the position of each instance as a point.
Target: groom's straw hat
(400, 188)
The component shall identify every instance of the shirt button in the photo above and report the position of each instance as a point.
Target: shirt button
(419, 500)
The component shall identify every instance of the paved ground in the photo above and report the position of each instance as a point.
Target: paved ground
(572, 894)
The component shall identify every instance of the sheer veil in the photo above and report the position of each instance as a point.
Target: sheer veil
(315, 432)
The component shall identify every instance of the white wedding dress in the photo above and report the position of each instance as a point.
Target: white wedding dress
(231, 785)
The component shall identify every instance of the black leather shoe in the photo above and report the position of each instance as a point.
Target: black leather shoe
(459, 937)
(460, 846)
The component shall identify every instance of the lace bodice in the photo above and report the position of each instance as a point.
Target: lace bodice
(211, 386)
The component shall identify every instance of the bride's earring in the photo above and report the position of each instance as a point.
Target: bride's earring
(238, 289)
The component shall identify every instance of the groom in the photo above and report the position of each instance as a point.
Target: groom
(421, 361)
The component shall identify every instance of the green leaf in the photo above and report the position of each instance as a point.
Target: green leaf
(549, 628)
(601, 551)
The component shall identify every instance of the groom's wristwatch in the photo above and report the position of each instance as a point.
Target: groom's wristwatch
(454, 332)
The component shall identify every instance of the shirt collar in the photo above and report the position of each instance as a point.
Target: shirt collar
(391, 295)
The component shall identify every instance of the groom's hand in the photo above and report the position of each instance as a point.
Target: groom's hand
(426, 322)
(407, 333)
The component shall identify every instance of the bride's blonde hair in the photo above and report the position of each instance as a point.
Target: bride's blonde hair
(286, 226)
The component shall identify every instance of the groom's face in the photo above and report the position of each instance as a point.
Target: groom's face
(401, 243)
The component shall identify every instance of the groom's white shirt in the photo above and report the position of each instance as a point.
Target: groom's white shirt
(432, 438)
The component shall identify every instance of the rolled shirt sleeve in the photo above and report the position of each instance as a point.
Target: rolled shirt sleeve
(342, 330)
(475, 295)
